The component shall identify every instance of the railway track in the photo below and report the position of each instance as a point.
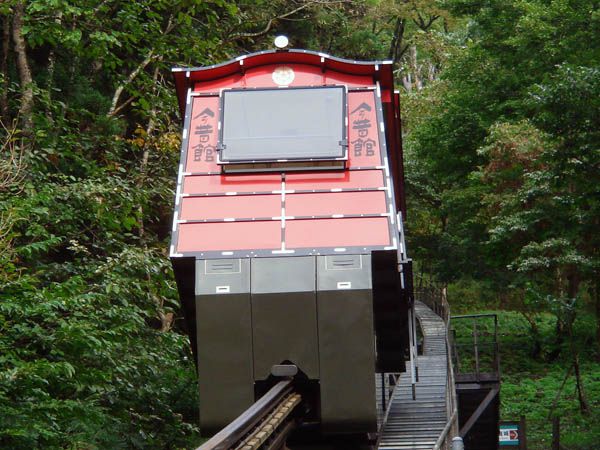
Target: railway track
(265, 425)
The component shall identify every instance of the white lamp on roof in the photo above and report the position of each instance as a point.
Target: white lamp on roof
(281, 42)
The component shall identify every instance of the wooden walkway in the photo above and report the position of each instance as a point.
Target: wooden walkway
(417, 424)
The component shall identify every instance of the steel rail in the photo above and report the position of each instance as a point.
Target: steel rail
(451, 399)
(264, 431)
(278, 441)
(237, 430)
(385, 416)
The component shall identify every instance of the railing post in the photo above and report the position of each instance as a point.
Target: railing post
(523, 433)
(456, 357)
(411, 351)
(476, 349)
(414, 319)
(439, 304)
(383, 391)
(556, 433)
(496, 348)
(457, 443)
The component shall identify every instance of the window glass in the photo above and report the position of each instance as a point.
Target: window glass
(272, 124)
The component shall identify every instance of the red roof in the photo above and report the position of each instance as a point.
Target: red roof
(309, 212)
(184, 77)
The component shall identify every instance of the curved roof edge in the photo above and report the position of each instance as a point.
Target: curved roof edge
(184, 76)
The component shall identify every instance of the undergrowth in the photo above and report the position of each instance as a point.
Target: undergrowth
(531, 382)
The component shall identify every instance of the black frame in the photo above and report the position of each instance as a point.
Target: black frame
(344, 126)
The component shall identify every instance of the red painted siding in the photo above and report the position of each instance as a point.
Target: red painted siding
(335, 203)
(336, 232)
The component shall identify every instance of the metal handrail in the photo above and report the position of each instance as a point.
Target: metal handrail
(452, 424)
(412, 351)
(451, 401)
(412, 325)
(478, 345)
(449, 425)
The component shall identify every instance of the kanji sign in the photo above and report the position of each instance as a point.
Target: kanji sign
(363, 134)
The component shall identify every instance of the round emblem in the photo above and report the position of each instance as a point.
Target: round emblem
(283, 76)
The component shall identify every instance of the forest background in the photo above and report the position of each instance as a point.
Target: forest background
(501, 123)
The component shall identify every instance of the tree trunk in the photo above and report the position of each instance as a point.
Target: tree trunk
(4, 112)
(559, 392)
(597, 302)
(52, 65)
(166, 321)
(573, 282)
(146, 155)
(535, 334)
(444, 223)
(558, 342)
(407, 82)
(431, 73)
(583, 404)
(114, 108)
(415, 67)
(396, 48)
(26, 107)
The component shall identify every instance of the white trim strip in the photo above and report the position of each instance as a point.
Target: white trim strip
(386, 167)
(178, 195)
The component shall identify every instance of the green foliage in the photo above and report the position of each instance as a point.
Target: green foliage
(508, 148)
(503, 172)
(92, 349)
(501, 161)
(530, 385)
(79, 358)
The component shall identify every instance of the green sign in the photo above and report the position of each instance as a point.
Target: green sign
(509, 435)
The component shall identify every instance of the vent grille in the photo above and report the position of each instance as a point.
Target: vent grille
(344, 262)
(219, 266)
